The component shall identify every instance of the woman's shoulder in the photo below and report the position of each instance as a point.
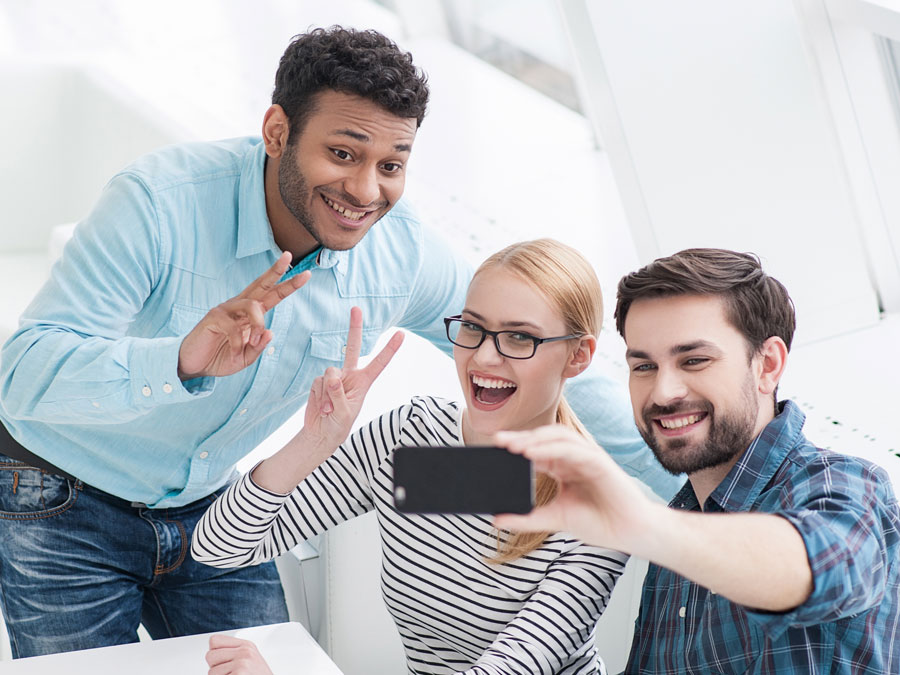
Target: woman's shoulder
(432, 419)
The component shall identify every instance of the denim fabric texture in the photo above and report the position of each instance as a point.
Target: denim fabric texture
(80, 568)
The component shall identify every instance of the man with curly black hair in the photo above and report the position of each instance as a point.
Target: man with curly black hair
(170, 342)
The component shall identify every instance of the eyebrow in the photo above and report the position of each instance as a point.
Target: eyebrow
(505, 324)
(364, 138)
(674, 351)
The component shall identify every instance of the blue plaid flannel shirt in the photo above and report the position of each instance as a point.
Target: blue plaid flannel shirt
(848, 516)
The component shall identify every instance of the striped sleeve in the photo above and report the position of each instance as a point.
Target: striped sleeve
(249, 524)
(553, 632)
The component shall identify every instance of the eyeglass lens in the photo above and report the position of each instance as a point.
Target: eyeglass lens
(508, 343)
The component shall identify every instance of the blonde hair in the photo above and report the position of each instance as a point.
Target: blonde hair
(563, 276)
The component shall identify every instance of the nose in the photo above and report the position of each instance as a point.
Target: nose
(487, 353)
(668, 387)
(363, 185)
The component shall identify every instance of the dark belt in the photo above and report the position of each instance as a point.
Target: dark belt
(10, 447)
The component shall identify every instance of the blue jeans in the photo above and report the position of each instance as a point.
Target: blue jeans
(80, 568)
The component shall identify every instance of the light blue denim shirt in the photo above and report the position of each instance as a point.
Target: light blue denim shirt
(89, 381)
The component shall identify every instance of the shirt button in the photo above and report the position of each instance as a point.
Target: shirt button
(146, 391)
(242, 411)
(270, 351)
(344, 350)
(167, 388)
(682, 611)
(205, 454)
(95, 404)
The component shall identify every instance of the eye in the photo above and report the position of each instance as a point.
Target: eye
(520, 337)
(469, 327)
(695, 361)
(341, 154)
(392, 167)
(643, 368)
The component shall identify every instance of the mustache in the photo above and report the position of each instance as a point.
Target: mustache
(654, 410)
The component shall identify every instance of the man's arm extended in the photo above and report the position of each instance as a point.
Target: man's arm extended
(754, 559)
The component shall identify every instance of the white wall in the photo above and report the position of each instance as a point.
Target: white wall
(718, 136)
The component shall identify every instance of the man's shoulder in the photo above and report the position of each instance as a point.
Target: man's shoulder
(833, 470)
(192, 162)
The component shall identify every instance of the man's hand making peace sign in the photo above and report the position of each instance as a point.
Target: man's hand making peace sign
(232, 335)
(335, 399)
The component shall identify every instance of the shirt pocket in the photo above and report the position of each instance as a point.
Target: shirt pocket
(327, 349)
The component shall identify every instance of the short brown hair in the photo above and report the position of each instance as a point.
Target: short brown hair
(755, 304)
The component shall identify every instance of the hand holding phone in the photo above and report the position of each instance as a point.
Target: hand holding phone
(462, 479)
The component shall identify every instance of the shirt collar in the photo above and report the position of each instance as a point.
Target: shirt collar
(740, 489)
(254, 231)
(742, 486)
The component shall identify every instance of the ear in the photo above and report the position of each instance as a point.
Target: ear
(771, 361)
(581, 356)
(275, 130)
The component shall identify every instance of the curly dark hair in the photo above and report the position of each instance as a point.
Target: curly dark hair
(363, 63)
(755, 304)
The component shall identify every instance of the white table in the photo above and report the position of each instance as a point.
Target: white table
(287, 648)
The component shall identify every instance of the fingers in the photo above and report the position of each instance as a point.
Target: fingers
(269, 290)
(317, 397)
(221, 649)
(244, 324)
(558, 451)
(331, 388)
(380, 361)
(354, 339)
(280, 291)
(233, 656)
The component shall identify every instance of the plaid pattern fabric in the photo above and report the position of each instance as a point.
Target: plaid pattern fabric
(848, 516)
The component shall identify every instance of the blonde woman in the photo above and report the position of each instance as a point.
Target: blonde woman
(465, 597)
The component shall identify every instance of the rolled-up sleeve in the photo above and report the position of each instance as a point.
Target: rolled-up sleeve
(844, 511)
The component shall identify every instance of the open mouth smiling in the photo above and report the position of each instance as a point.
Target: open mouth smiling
(674, 424)
(492, 391)
(345, 212)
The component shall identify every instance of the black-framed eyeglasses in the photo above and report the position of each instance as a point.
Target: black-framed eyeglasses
(513, 344)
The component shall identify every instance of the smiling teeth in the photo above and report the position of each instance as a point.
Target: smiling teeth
(347, 213)
(493, 384)
(680, 422)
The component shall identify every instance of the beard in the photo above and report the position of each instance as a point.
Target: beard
(295, 192)
(730, 434)
(296, 195)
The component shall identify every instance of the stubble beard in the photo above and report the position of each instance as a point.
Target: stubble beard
(729, 436)
(295, 191)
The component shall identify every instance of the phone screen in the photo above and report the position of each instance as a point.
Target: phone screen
(463, 479)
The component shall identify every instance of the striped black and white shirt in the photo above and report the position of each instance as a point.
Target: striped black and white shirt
(456, 612)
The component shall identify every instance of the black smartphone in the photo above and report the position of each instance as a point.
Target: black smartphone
(463, 479)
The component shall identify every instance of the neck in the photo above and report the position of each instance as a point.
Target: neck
(471, 436)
